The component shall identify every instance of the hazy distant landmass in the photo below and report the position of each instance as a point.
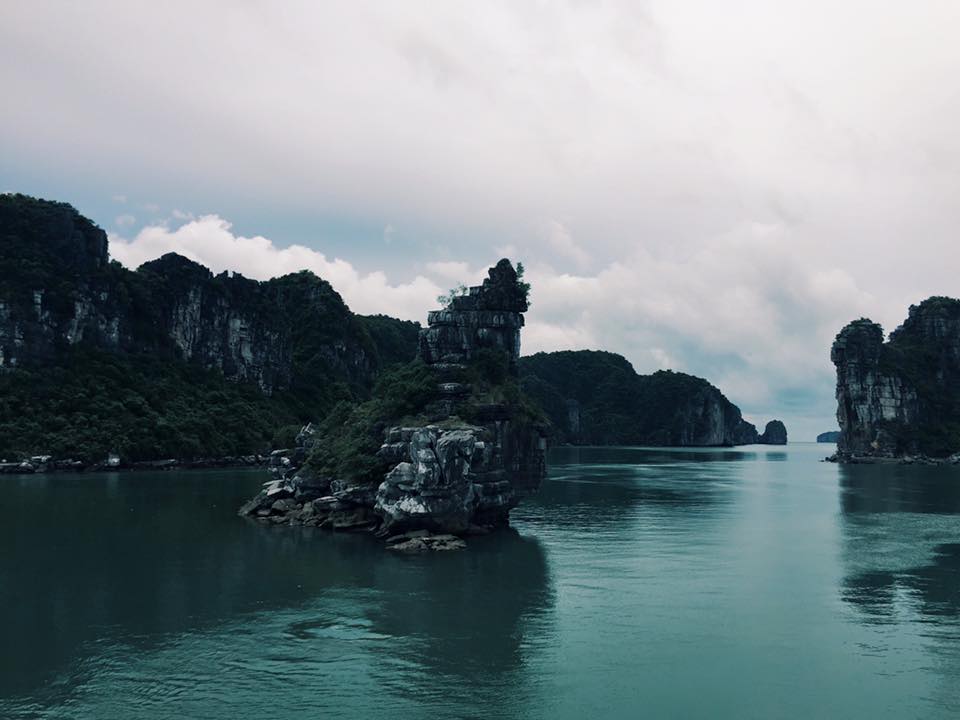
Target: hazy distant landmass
(831, 436)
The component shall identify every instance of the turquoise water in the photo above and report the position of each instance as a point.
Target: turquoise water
(746, 583)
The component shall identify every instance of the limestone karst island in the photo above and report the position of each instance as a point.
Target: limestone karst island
(423, 360)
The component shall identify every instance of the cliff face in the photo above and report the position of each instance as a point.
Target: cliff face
(596, 398)
(901, 397)
(95, 358)
(58, 289)
(489, 316)
(470, 449)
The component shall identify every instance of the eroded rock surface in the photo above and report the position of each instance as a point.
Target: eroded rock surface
(444, 477)
(900, 398)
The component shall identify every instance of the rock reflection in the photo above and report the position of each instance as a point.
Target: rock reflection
(141, 559)
(901, 545)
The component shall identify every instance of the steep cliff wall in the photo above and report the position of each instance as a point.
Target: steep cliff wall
(596, 398)
(900, 397)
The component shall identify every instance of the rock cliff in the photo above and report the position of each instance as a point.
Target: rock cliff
(64, 306)
(488, 316)
(59, 289)
(596, 398)
(901, 397)
(469, 448)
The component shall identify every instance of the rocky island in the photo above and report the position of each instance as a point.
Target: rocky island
(900, 399)
(445, 447)
(596, 398)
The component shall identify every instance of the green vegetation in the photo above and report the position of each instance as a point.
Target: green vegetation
(348, 439)
(615, 405)
(446, 300)
(926, 365)
(143, 408)
(126, 387)
(523, 284)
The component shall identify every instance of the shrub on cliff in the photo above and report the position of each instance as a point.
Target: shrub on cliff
(347, 440)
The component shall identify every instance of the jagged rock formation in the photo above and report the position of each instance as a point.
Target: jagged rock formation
(902, 397)
(596, 398)
(62, 301)
(775, 433)
(488, 316)
(474, 451)
(831, 436)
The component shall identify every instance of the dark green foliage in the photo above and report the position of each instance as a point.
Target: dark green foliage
(395, 340)
(923, 359)
(615, 405)
(445, 300)
(523, 284)
(349, 437)
(314, 353)
(94, 402)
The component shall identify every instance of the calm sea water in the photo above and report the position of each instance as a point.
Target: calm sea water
(747, 583)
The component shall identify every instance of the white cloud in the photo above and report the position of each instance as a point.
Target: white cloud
(119, 198)
(561, 242)
(210, 241)
(124, 221)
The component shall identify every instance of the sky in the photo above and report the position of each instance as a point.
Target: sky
(715, 188)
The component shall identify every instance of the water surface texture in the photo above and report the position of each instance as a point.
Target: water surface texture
(746, 583)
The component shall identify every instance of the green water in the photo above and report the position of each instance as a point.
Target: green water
(748, 583)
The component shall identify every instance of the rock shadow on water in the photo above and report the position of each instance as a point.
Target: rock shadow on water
(900, 541)
(127, 567)
(471, 612)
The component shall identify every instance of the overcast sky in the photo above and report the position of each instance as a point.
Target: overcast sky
(713, 187)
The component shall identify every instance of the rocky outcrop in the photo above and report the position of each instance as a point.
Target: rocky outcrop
(775, 433)
(900, 398)
(596, 398)
(458, 470)
(831, 436)
(488, 316)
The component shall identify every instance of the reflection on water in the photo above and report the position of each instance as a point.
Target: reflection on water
(122, 564)
(695, 583)
(901, 550)
(901, 539)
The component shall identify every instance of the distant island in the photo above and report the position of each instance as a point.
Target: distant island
(900, 399)
(594, 397)
(831, 436)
